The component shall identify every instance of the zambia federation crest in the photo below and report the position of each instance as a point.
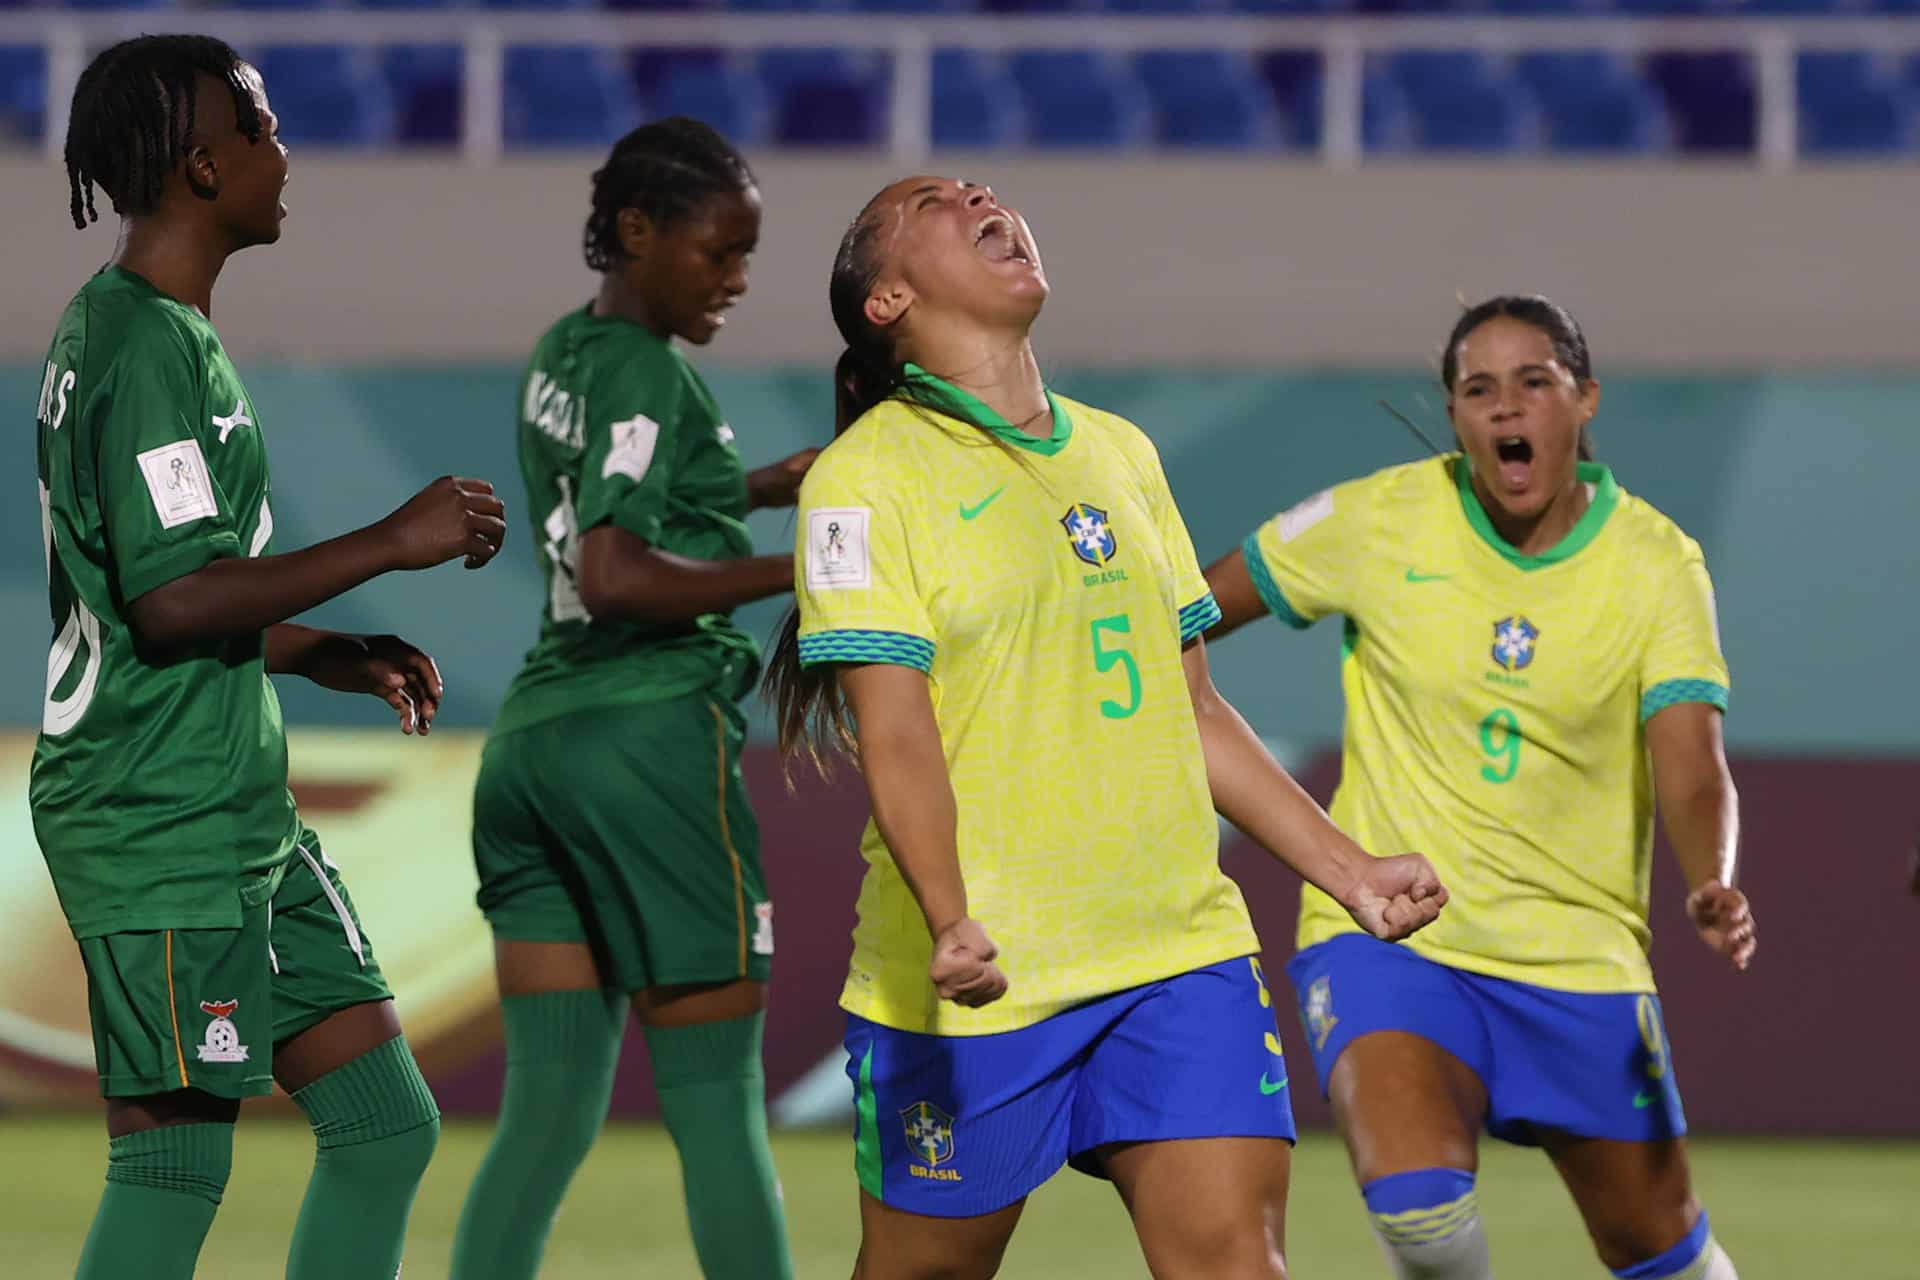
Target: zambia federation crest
(1089, 534)
(1514, 640)
(929, 1133)
(222, 1040)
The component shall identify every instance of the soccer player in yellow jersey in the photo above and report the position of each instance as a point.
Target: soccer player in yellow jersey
(1531, 660)
(1049, 965)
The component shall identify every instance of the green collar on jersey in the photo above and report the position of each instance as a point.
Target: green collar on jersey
(936, 393)
(1606, 496)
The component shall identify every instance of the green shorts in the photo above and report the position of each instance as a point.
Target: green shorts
(204, 1008)
(628, 829)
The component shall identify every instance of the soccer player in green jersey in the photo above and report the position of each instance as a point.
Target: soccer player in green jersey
(618, 857)
(1532, 661)
(221, 949)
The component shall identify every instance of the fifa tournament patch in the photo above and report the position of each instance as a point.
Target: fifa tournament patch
(221, 1043)
(837, 554)
(178, 483)
(632, 450)
(1302, 516)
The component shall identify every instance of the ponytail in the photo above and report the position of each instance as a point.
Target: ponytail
(862, 378)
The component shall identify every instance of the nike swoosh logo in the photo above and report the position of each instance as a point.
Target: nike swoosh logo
(1271, 1088)
(1642, 1100)
(968, 513)
(1414, 576)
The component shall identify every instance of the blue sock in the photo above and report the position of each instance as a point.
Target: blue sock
(1680, 1260)
(1428, 1220)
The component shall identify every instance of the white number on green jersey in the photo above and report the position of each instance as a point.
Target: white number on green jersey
(57, 715)
(563, 550)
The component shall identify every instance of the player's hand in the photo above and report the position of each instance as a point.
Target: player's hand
(449, 519)
(778, 484)
(1725, 922)
(1394, 897)
(385, 666)
(963, 970)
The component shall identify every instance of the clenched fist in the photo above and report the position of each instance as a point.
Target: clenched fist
(451, 518)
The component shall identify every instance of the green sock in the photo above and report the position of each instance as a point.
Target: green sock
(374, 1126)
(162, 1188)
(712, 1094)
(561, 1051)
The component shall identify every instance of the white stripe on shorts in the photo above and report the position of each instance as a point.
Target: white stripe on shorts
(339, 907)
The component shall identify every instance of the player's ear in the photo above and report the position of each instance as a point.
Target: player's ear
(201, 168)
(634, 230)
(888, 302)
(1589, 400)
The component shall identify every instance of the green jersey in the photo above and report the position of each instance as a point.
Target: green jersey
(617, 428)
(159, 786)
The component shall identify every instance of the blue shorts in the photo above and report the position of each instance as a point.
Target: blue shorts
(1592, 1065)
(957, 1126)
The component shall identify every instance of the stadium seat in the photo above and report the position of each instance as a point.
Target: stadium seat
(567, 97)
(649, 67)
(117, 4)
(425, 81)
(975, 101)
(328, 95)
(1163, 6)
(1294, 77)
(279, 5)
(725, 96)
(657, 6)
(539, 4)
(1709, 97)
(1208, 98)
(1593, 101)
(23, 94)
(917, 6)
(1292, 6)
(1577, 8)
(1854, 103)
(1080, 99)
(1463, 101)
(826, 96)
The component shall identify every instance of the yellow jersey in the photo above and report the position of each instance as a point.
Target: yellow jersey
(1495, 707)
(1046, 587)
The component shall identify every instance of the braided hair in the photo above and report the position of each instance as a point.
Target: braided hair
(133, 111)
(665, 170)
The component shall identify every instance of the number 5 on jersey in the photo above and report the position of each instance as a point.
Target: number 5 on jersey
(1104, 659)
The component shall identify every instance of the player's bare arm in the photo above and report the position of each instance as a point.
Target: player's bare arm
(387, 667)
(1389, 897)
(1233, 591)
(1701, 812)
(622, 575)
(913, 806)
(450, 519)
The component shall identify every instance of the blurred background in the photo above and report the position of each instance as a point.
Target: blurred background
(1260, 218)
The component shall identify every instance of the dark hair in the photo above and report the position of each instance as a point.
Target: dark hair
(1550, 318)
(133, 110)
(808, 707)
(666, 170)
